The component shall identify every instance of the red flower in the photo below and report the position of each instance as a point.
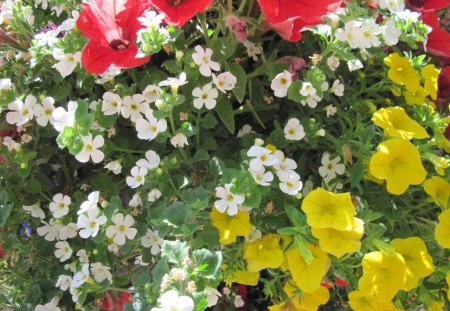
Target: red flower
(114, 301)
(277, 11)
(438, 42)
(341, 282)
(427, 5)
(178, 12)
(2, 252)
(290, 29)
(111, 26)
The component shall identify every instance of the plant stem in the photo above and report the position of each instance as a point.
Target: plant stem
(202, 18)
(129, 150)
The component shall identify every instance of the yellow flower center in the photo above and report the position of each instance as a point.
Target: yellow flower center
(92, 224)
(122, 228)
(25, 112)
(133, 107)
(88, 147)
(229, 198)
(61, 205)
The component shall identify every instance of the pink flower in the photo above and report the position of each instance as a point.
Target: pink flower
(237, 26)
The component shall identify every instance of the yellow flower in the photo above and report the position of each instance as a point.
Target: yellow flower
(419, 263)
(447, 279)
(439, 189)
(440, 163)
(436, 305)
(397, 161)
(383, 274)
(290, 305)
(263, 253)
(396, 123)
(363, 301)
(339, 243)
(440, 140)
(431, 75)
(312, 301)
(243, 277)
(231, 227)
(308, 277)
(442, 230)
(402, 72)
(369, 176)
(416, 98)
(326, 209)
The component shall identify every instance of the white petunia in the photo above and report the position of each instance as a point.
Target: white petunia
(60, 205)
(50, 230)
(91, 203)
(228, 202)
(333, 63)
(114, 166)
(149, 127)
(101, 272)
(261, 157)
(137, 177)
(179, 140)
(63, 251)
(35, 210)
(226, 81)
(112, 103)
(294, 130)
(134, 107)
(202, 58)
(90, 149)
(330, 167)
(337, 88)
(154, 195)
(290, 183)
(67, 62)
(90, 223)
(64, 118)
(43, 113)
(68, 232)
(205, 96)
(153, 240)
(280, 84)
(63, 282)
(121, 229)
(151, 160)
(151, 93)
(262, 177)
(21, 112)
(171, 301)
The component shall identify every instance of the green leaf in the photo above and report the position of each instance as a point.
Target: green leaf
(177, 213)
(171, 66)
(200, 155)
(226, 114)
(84, 124)
(69, 138)
(200, 301)
(357, 173)
(253, 199)
(33, 186)
(295, 216)
(173, 251)
(222, 49)
(209, 121)
(300, 242)
(239, 89)
(208, 262)
(5, 211)
(33, 294)
(287, 231)
(294, 91)
(82, 109)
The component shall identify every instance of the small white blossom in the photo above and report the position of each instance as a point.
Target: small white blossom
(294, 130)
(330, 167)
(246, 129)
(391, 5)
(60, 205)
(63, 282)
(112, 103)
(135, 200)
(252, 49)
(20, 112)
(238, 301)
(330, 110)
(226, 81)
(109, 75)
(205, 96)
(370, 30)
(228, 201)
(51, 306)
(90, 204)
(261, 157)
(307, 89)
(35, 210)
(68, 232)
(67, 62)
(284, 165)
(290, 183)
(137, 177)
(262, 177)
(11, 144)
(151, 161)
(212, 296)
(333, 63)
(202, 58)
(352, 34)
(69, 23)
(90, 223)
(81, 276)
(354, 65)
(90, 149)
(154, 195)
(134, 107)
(50, 230)
(391, 33)
(337, 88)
(114, 166)
(171, 301)
(63, 251)
(151, 19)
(311, 101)
(179, 140)
(43, 113)
(64, 118)
(151, 93)
(121, 229)
(101, 272)
(153, 240)
(149, 127)
(280, 84)
(174, 83)
(254, 235)
(82, 256)
(5, 84)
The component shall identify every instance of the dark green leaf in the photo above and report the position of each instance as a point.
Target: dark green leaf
(226, 114)
(239, 89)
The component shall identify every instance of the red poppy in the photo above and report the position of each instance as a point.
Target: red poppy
(290, 29)
(427, 5)
(111, 26)
(178, 12)
(114, 301)
(341, 282)
(277, 11)
(438, 42)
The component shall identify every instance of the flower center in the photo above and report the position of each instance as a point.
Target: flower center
(118, 45)
(283, 81)
(61, 205)
(48, 112)
(134, 107)
(92, 224)
(88, 147)
(25, 112)
(205, 95)
(175, 3)
(122, 228)
(230, 198)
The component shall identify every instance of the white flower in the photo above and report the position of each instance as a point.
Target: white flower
(254, 235)
(391, 5)
(81, 276)
(226, 81)
(35, 210)
(171, 301)
(391, 33)
(238, 301)
(330, 110)
(151, 19)
(69, 23)
(261, 157)
(51, 306)
(205, 96)
(60, 205)
(153, 240)
(370, 30)
(280, 84)
(352, 34)
(5, 84)
(112, 103)
(114, 166)
(47, 38)
(149, 127)
(333, 63)
(294, 130)
(90, 204)
(174, 83)
(246, 129)
(113, 248)
(179, 140)
(43, 3)
(83, 256)
(154, 195)
(68, 232)
(137, 177)
(307, 89)
(202, 58)
(134, 107)
(354, 65)
(212, 296)
(67, 62)
(64, 118)
(290, 183)
(262, 177)
(337, 88)
(50, 230)
(90, 223)
(311, 101)
(150, 162)
(101, 272)
(63, 251)
(252, 49)
(139, 261)
(135, 200)
(20, 112)
(108, 75)
(11, 144)
(63, 282)
(308, 187)
(228, 201)
(329, 167)
(43, 113)
(284, 165)
(151, 93)
(90, 149)
(121, 229)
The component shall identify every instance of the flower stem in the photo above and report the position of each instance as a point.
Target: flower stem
(202, 19)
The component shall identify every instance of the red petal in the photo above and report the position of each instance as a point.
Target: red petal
(277, 11)
(179, 15)
(438, 43)
(290, 30)
(444, 83)
(427, 5)
(342, 283)
(125, 297)
(431, 19)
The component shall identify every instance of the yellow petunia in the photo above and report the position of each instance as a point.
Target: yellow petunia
(326, 209)
(440, 163)
(243, 277)
(447, 279)
(308, 277)
(419, 263)
(431, 74)
(396, 123)
(339, 243)
(398, 162)
(363, 301)
(383, 274)
(263, 253)
(230, 227)
(436, 305)
(442, 229)
(402, 72)
(416, 98)
(439, 189)
(290, 305)
(312, 301)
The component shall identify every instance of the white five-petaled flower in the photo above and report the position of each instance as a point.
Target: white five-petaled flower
(294, 130)
(151, 93)
(151, 19)
(229, 202)
(50, 230)
(149, 127)
(60, 205)
(370, 30)
(90, 204)
(261, 157)
(311, 101)
(153, 240)
(35, 210)
(202, 58)
(134, 107)
(80, 277)
(137, 177)
(172, 301)
(90, 223)
(280, 84)
(252, 49)
(63, 251)
(262, 177)
(90, 149)
(112, 103)
(151, 160)
(21, 112)
(174, 83)
(290, 183)
(337, 88)
(205, 96)
(68, 232)
(64, 118)
(352, 34)
(154, 195)
(135, 200)
(51, 306)
(330, 167)
(43, 113)
(114, 166)
(179, 140)
(67, 62)
(63, 282)
(333, 63)
(307, 89)
(121, 229)
(390, 32)
(82, 256)
(284, 165)
(226, 81)
(5, 84)
(101, 272)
